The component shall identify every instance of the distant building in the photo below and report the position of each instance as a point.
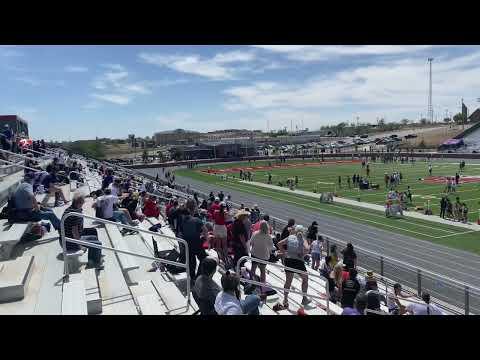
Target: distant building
(16, 123)
(176, 137)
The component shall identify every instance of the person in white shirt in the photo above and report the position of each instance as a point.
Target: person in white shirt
(424, 309)
(106, 204)
(394, 305)
(228, 301)
(316, 251)
(261, 247)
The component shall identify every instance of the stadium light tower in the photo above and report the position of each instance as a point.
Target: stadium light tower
(430, 106)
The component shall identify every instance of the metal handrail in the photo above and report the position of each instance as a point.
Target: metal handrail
(19, 155)
(21, 166)
(80, 215)
(38, 152)
(86, 182)
(259, 283)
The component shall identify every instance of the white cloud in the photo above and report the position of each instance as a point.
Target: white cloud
(308, 53)
(117, 86)
(399, 86)
(76, 69)
(118, 99)
(219, 67)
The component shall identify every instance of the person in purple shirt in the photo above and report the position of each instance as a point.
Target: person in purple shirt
(360, 306)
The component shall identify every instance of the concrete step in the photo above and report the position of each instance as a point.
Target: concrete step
(174, 300)
(92, 290)
(148, 298)
(74, 301)
(14, 276)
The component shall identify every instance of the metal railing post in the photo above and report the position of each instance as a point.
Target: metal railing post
(381, 266)
(419, 282)
(467, 300)
(327, 242)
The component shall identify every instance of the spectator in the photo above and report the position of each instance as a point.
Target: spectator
(261, 248)
(424, 309)
(116, 188)
(248, 224)
(150, 207)
(360, 306)
(316, 253)
(370, 282)
(192, 229)
(334, 254)
(27, 207)
(349, 256)
(106, 203)
(51, 185)
(350, 289)
(220, 231)
(7, 138)
(228, 301)
(205, 290)
(295, 247)
(255, 214)
(286, 229)
(108, 179)
(393, 300)
(204, 205)
(373, 301)
(239, 236)
(256, 226)
(312, 232)
(74, 229)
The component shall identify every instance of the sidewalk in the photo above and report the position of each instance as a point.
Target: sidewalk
(340, 200)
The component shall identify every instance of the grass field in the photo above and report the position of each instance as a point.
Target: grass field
(328, 175)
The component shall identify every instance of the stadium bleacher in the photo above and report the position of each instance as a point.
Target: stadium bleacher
(32, 273)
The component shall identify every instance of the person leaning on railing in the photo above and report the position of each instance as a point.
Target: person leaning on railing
(393, 300)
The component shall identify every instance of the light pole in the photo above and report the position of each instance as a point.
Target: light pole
(430, 106)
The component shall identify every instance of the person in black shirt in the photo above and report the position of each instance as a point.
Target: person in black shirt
(239, 236)
(349, 256)
(192, 229)
(74, 229)
(286, 229)
(350, 289)
(221, 196)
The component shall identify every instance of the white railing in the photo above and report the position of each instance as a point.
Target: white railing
(286, 268)
(103, 221)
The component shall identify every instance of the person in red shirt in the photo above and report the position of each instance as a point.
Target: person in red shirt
(345, 273)
(220, 230)
(256, 226)
(150, 208)
(214, 207)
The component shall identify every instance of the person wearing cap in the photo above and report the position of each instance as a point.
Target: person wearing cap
(214, 207)
(239, 236)
(350, 289)
(295, 246)
(394, 305)
(255, 214)
(27, 207)
(423, 309)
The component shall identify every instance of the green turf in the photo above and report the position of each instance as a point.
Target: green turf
(422, 229)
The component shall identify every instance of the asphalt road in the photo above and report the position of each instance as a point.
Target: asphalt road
(455, 264)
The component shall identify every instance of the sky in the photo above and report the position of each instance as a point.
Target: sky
(83, 92)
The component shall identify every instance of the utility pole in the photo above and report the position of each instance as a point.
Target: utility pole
(430, 106)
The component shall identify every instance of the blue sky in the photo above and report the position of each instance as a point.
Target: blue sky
(79, 92)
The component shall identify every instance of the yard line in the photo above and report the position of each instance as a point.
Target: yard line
(354, 217)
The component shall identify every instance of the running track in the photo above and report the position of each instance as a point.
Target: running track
(456, 264)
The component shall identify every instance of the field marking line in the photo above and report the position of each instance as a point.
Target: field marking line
(353, 217)
(351, 208)
(463, 233)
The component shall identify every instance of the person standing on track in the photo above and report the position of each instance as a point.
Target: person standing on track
(430, 169)
(348, 182)
(368, 170)
(340, 182)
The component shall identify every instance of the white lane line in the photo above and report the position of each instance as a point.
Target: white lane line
(463, 233)
(437, 264)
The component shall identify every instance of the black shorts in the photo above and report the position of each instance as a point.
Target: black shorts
(295, 264)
